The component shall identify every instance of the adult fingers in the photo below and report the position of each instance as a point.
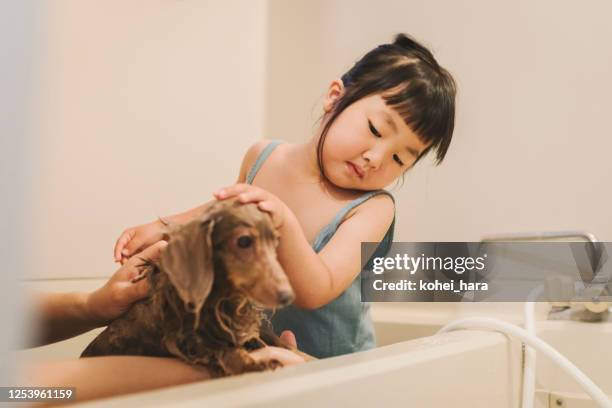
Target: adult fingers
(137, 290)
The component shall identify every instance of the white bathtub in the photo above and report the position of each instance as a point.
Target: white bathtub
(587, 345)
(467, 368)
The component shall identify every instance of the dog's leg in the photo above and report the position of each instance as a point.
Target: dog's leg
(170, 342)
(238, 361)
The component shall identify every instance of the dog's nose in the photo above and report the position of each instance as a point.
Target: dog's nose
(284, 298)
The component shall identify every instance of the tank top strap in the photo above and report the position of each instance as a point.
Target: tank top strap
(261, 159)
(328, 231)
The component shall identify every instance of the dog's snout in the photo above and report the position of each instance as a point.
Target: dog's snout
(285, 298)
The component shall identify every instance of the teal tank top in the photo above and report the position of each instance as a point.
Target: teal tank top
(344, 325)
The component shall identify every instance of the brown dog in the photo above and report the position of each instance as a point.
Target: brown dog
(207, 294)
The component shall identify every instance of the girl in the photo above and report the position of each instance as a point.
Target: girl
(326, 196)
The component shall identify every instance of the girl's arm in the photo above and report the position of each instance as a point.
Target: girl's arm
(318, 278)
(135, 239)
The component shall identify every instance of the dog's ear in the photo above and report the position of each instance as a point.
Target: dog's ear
(188, 261)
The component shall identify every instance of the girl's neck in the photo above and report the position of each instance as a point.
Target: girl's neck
(303, 157)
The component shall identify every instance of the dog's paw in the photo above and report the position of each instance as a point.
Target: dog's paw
(267, 365)
(273, 364)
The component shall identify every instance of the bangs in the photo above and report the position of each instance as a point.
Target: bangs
(427, 107)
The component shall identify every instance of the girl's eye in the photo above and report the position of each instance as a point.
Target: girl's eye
(373, 129)
(398, 160)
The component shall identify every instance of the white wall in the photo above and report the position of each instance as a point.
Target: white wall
(532, 139)
(144, 109)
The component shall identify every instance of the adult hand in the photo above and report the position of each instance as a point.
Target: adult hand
(124, 288)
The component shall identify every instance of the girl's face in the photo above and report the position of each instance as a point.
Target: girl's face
(369, 145)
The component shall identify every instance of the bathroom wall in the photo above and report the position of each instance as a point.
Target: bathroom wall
(532, 139)
(143, 108)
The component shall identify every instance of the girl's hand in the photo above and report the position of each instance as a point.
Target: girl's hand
(266, 201)
(135, 239)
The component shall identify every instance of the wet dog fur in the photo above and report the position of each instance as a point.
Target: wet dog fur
(207, 295)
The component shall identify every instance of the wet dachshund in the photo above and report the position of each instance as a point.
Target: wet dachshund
(207, 294)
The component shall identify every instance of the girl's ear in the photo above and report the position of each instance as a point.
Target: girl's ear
(334, 92)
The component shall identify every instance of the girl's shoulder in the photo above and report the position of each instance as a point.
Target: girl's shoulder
(250, 157)
(379, 206)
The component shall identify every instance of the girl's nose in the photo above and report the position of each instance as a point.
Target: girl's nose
(372, 158)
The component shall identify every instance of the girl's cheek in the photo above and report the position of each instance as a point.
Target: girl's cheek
(394, 176)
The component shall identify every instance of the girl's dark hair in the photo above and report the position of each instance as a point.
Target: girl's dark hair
(412, 83)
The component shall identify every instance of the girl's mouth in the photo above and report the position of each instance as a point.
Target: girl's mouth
(355, 169)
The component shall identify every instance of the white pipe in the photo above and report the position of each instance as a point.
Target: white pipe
(529, 370)
(486, 322)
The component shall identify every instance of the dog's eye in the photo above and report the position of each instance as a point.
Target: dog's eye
(245, 241)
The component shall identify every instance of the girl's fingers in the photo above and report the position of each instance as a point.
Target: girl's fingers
(120, 244)
(265, 206)
(230, 191)
(133, 246)
(252, 196)
(271, 208)
(117, 248)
